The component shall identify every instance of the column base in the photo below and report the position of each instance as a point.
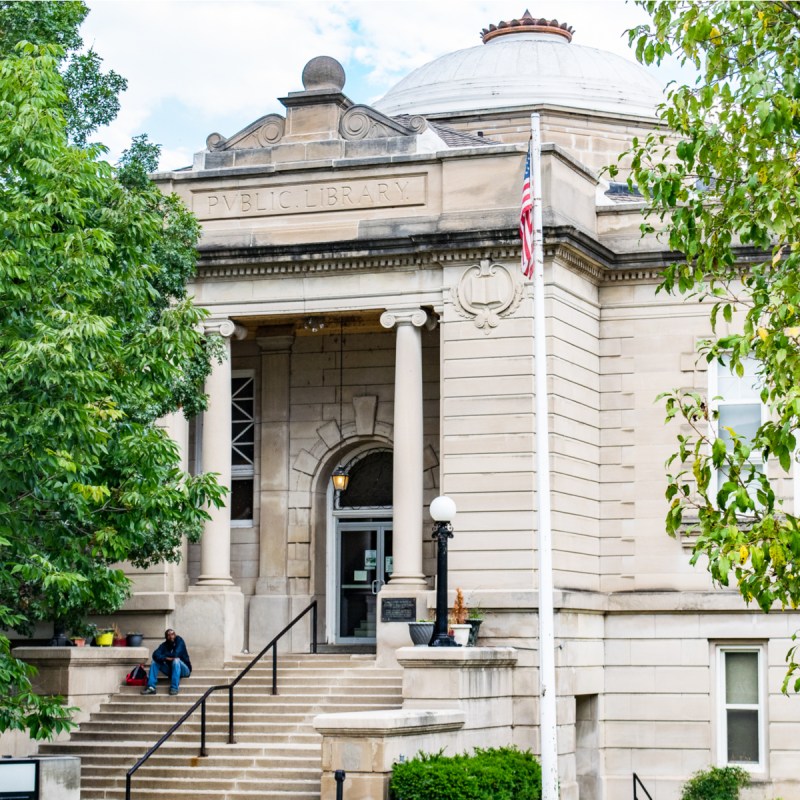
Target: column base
(211, 580)
(407, 580)
(211, 621)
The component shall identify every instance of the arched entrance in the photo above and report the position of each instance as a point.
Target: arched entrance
(360, 547)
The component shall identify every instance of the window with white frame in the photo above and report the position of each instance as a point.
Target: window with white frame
(737, 401)
(243, 446)
(741, 713)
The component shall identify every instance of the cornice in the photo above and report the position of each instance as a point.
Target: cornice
(410, 253)
(568, 245)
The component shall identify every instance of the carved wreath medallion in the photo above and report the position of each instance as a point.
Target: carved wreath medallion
(487, 292)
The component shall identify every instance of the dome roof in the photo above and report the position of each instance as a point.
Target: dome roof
(523, 63)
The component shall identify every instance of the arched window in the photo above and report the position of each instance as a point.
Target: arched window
(370, 483)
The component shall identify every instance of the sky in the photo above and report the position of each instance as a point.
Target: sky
(195, 67)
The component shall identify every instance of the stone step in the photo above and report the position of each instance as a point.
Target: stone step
(164, 713)
(191, 794)
(115, 752)
(148, 737)
(205, 782)
(230, 769)
(277, 755)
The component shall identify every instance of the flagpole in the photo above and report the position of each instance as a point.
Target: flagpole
(548, 734)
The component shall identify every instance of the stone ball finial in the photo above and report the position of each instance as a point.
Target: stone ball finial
(323, 72)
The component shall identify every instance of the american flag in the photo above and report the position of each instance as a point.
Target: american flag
(526, 220)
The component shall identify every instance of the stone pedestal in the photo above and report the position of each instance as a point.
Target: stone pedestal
(366, 744)
(391, 636)
(85, 677)
(454, 699)
(211, 621)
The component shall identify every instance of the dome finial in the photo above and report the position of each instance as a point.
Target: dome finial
(528, 24)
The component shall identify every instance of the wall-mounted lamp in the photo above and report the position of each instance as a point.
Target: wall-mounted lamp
(340, 479)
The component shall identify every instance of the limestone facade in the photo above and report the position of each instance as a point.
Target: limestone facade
(365, 271)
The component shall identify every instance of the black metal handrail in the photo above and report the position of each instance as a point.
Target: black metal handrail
(201, 703)
(636, 781)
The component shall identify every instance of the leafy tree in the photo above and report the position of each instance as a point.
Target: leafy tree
(97, 341)
(92, 95)
(724, 186)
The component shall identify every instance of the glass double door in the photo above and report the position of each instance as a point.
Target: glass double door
(364, 551)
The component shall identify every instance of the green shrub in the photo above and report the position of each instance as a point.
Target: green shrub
(716, 783)
(503, 773)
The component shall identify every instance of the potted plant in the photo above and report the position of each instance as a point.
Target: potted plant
(474, 619)
(134, 639)
(82, 634)
(104, 638)
(458, 620)
(117, 639)
(421, 632)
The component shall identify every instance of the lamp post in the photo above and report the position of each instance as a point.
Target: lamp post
(443, 509)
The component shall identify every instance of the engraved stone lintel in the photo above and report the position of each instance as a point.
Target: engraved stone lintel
(224, 327)
(404, 316)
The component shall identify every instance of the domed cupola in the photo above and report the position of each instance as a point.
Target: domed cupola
(521, 63)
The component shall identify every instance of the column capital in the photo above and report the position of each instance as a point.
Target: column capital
(224, 327)
(399, 316)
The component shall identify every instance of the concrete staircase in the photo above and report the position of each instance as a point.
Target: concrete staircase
(277, 755)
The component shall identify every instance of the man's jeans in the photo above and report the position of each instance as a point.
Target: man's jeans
(174, 669)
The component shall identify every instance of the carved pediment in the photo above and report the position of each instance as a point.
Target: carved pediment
(365, 122)
(264, 132)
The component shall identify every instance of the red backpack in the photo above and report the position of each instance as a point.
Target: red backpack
(137, 676)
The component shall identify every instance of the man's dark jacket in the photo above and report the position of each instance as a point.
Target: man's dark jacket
(175, 649)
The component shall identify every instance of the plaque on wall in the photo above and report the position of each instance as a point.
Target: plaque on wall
(399, 609)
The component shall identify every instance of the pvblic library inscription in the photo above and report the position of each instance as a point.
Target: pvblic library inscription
(264, 201)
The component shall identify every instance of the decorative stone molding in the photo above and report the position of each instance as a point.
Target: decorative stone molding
(231, 266)
(224, 327)
(577, 262)
(398, 316)
(487, 292)
(264, 132)
(364, 122)
(365, 408)
(650, 275)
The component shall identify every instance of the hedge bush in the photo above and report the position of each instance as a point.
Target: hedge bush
(716, 783)
(503, 773)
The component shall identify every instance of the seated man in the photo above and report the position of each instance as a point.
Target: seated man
(172, 658)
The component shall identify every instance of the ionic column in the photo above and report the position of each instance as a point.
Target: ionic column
(408, 445)
(215, 547)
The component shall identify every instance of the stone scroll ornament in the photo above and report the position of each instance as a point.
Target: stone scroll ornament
(487, 292)
(364, 122)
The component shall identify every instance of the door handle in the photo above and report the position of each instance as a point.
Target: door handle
(379, 583)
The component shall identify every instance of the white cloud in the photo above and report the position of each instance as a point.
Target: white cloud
(195, 66)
